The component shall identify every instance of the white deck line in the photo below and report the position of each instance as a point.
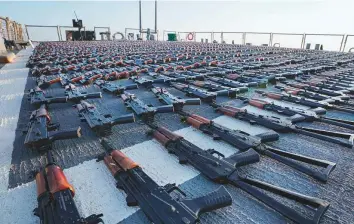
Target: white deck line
(13, 78)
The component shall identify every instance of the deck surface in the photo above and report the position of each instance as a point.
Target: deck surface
(95, 187)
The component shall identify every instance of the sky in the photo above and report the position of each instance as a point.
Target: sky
(297, 16)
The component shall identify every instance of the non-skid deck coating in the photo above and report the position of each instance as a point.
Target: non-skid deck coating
(95, 187)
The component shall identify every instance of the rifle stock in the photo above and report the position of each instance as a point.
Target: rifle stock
(61, 135)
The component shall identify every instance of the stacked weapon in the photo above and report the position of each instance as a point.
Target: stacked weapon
(114, 88)
(55, 198)
(154, 200)
(37, 97)
(146, 112)
(217, 168)
(75, 95)
(245, 142)
(285, 125)
(170, 99)
(99, 122)
(41, 132)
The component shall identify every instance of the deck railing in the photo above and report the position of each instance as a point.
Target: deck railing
(342, 44)
(302, 44)
(11, 30)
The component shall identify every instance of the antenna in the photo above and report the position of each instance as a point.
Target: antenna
(76, 16)
(78, 23)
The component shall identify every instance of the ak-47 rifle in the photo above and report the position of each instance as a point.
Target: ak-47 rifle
(114, 88)
(78, 77)
(242, 79)
(335, 85)
(218, 89)
(44, 83)
(37, 97)
(170, 99)
(90, 78)
(114, 75)
(100, 123)
(66, 80)
(38, 130)
(304, 101)
(75, 95)
(142, 81)
(300, 114)
(196, 92)
(146, 112)
(244, 141)
(216, 167)
(55, 198)
(155, 200)
(341, 100)
(82, 78)
(227, 82)
(318, 90)
(285, 125)
(311, 89)
(182, 76)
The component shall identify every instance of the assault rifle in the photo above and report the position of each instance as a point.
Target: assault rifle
(100, 123)
(285, 125)
(182, 76)
(227, 82)
(336, 86)
(114, 88)
(146, 112)
(146, 82)
(75, 95)
(39, 135)
(44, 83)
(90, 78)
(55, 198)
(37, 97)
(244, 141)
(114, 75)
(304, 101)
(154, 200)
(66, 80)
(218, 89)
(304, 88)
(216, 167)
(342, 100)
(170, 99)
(301, 115)
(196, 92)
(246, 80)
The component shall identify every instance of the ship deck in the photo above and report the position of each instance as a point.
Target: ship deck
(95, 186)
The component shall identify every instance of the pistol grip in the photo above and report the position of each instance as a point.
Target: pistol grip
(244, 158)
(214, 200)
